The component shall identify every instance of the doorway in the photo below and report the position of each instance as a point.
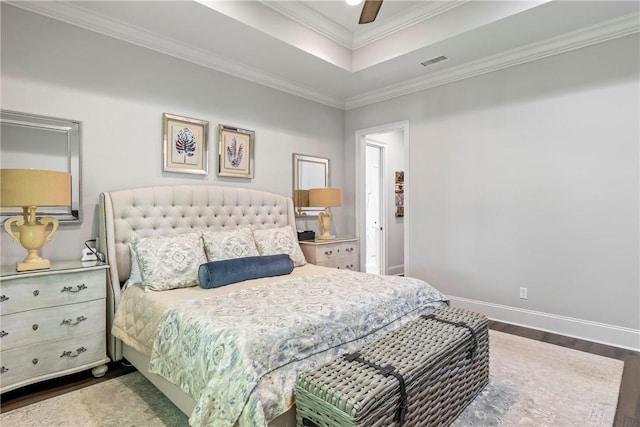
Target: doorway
(381, 153)
(374, 212)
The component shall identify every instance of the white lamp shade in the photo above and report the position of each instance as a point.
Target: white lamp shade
(325, 197)
(32, 187)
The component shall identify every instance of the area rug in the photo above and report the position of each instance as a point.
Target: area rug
(531, 384)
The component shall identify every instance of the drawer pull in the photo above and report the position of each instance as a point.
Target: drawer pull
(328, 252)
(36, 293)
(3, 334)
(34, 361)
(35, 327)
(70, 289)
(349, 249)
(3, 370)
(68, 353)
(78, 320)
(3, 298)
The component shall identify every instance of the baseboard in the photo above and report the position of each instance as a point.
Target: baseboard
(395, 270)
(603, 333)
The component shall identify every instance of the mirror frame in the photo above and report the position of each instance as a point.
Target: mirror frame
(71, 129)
(298, 162)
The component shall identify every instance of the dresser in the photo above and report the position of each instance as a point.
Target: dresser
(53, 322)
(337, 253)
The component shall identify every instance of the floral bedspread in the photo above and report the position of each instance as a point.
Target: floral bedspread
(235, 353)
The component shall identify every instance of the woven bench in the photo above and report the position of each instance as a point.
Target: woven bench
(423, 374)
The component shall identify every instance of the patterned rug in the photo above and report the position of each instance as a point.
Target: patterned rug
(531, 384)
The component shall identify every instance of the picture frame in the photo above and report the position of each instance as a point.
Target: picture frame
(184, 144)
(235, 152)
(399, 193)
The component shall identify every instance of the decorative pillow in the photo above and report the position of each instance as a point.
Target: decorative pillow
(272, 241)
(219, 273)
(169, 262)
(236, 243)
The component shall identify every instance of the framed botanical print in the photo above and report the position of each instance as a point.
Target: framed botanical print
(235, 152)
(185, 144)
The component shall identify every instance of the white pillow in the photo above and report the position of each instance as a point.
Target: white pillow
(238, 243)
(169, 262)
(273, 241)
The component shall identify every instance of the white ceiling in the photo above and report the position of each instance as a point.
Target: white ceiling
(316, 49)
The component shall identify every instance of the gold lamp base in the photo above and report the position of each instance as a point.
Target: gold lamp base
(42, 264)
(327, 237)
(32, 235)
(324, 218)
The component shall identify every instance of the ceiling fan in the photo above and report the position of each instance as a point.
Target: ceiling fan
(370, 10)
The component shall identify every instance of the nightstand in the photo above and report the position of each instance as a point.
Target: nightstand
(53, 322)
(336, 253)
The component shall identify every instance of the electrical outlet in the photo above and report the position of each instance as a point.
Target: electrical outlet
(523, 293)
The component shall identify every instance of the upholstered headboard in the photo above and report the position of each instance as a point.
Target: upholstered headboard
(170, 210)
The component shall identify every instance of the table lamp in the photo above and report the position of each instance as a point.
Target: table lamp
(325, 197)
(28, 189)
(300, 200)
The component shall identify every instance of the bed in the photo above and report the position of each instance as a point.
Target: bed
(229, 355)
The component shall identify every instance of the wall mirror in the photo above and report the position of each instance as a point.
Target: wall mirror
(38, 142)
(308, 172)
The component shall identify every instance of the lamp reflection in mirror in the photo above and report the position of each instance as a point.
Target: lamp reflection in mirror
(28, 189)
(326, 198)
(300, 201)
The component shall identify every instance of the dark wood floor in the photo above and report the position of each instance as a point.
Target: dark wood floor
(627, 412)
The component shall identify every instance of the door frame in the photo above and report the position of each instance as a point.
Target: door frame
(383, 200)
(360, 193)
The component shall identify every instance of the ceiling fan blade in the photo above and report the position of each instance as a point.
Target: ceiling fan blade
(370, 11)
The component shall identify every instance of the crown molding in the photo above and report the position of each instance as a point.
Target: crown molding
(397, 23)
(74, 15)
(319, 23)
(598, 33)
(310, 18)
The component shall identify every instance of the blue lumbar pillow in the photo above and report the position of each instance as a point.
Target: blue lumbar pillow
(219, 273)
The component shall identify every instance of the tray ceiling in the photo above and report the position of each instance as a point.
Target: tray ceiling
(316, 49)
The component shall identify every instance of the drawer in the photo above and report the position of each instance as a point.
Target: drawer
(349, 262)
(326, 253)
(31, 292)
(47, 324)
(37, 360)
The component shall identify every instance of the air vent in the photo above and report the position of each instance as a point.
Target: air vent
(432, 61)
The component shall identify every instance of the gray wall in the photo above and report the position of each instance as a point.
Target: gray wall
(527, 176)
(120, 91)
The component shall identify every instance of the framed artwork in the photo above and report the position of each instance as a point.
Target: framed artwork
(235, 152)
(185, 144)
(399, 191)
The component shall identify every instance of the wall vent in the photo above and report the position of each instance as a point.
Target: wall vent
(432, 61)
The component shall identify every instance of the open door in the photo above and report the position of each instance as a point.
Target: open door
(380, 158)
(374, 212)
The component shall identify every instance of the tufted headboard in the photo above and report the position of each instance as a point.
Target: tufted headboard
(170, 210)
